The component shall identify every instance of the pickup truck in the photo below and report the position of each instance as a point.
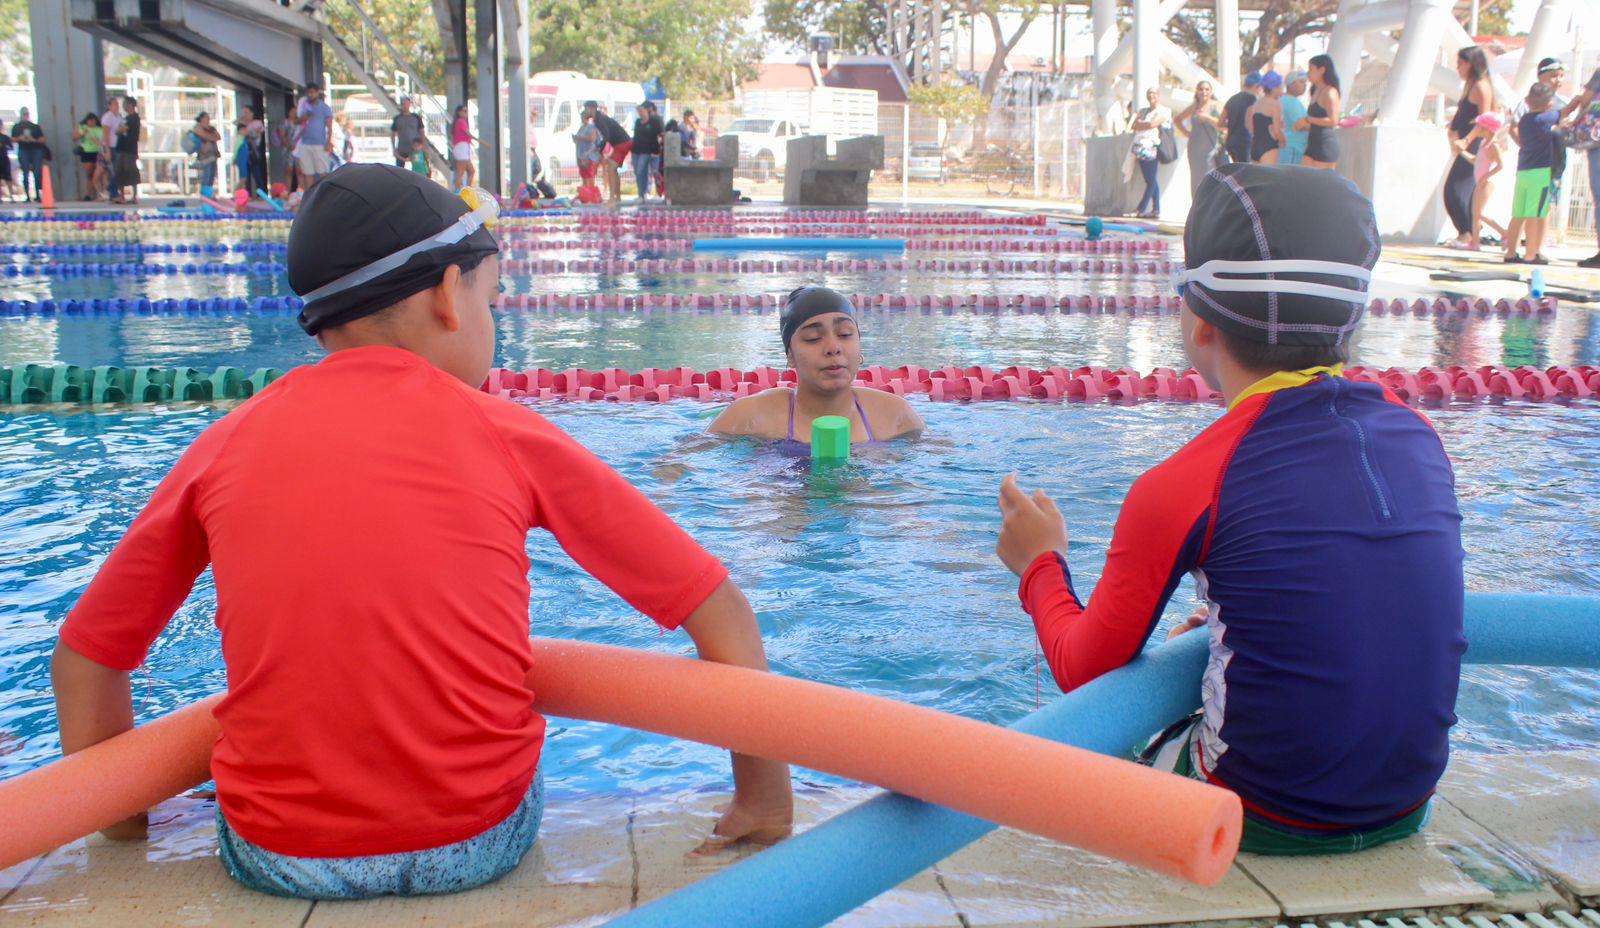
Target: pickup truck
(763, 144)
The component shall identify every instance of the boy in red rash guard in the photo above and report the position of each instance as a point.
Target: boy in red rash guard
(366, 521)
(1318, 518)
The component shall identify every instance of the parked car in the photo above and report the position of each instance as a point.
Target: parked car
(925, 161)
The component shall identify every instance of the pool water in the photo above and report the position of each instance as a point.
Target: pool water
(879, 577)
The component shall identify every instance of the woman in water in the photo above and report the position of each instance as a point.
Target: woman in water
(1322, 116)
(824, 349)
(1199, 122)
(1477, 96)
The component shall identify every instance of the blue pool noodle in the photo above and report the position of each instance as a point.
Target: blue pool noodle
(843, 863)
(799, 244)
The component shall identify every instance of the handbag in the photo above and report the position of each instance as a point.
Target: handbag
(1167, 149)
(1585, 134)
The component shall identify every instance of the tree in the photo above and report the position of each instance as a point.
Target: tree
(991, 10)
(705, 54)
(1281, 23)
(859, 27)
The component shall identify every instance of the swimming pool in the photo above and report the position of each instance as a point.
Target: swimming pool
(879, 577)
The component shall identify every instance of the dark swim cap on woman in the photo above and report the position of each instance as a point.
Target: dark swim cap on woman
(806, 303)
(1279, 254)
(366, 212)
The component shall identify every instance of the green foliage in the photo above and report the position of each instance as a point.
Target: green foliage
(697, 51)
(1494, 17)
(15, 48)
(857, 27)
(956, 103)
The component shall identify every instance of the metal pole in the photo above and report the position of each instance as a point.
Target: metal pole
(1103, 14)
(905, 151)
(1146, 61)
(1063, 107)
(1228, 64)
(489, 136)
(1472, 20)
(1033, 107)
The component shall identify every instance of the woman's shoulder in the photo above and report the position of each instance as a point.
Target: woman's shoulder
(756, 415)
(892, 412)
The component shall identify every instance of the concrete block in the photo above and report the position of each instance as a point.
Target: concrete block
(700, 182)
(811, 178)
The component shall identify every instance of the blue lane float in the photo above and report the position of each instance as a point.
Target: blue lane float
(140, 269)
(800, 244)
(843, 863)
(190, 306)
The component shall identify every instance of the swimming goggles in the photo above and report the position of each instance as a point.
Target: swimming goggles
(485, 210)
(1210, 276)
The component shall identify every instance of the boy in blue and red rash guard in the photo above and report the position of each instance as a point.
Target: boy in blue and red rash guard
(1318, 517)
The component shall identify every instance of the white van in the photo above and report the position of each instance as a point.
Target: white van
(555, 102)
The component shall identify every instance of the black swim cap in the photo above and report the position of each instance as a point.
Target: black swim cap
(362, 213)
(801, 305)
(1271, 213)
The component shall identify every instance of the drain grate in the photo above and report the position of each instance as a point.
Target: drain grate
(1588, 918)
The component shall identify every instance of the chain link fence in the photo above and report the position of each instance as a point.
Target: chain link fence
(1021, 151)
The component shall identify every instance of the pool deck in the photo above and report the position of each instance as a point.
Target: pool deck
(1510, 833)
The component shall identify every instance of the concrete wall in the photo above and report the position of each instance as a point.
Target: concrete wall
(68, 85)
(1108, 193)
(1400, 168)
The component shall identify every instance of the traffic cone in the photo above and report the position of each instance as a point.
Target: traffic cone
(47, 193)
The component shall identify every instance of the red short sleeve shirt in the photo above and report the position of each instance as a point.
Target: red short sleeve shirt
(366, 521)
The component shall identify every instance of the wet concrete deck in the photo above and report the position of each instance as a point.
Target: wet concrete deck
(1510, 833)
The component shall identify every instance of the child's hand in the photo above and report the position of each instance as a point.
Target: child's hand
(132, 829)
(1029, 526)
(1193, 621)
(758, 820)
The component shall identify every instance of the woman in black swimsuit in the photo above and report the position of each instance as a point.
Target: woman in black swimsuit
(1322, 116)
(1265, 116)
(1477, 96)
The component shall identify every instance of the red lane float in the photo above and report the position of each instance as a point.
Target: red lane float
(974, 384)
(1113, 807)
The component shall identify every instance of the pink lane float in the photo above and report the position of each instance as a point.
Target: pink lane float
(927, 304)
(520, 260)
(976, 384)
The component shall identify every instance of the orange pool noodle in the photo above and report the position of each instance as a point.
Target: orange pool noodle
(1113, 807)
(1165, 823)
(99, 786)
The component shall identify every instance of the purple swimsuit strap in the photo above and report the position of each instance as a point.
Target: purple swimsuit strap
(859, 411)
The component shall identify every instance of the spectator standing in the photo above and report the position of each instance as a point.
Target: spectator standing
(1323, 115)
(253, 147)
(1294, 111)
(404, 132)
(315, 151)
(126, 160)
(1266, 120)
(588, 146)
(1201, 122)
(689, 134)
(86, 144)
(618, 143)
(1485, 165)
(1583, 115)
(1146, 150)
(1536, 159)
(461, 138)
(1477, 96)
(6, 180)
(29, 139)
(208, 153)
(1236, 112)
(109, 121)
(1552, 72)
(647, 131)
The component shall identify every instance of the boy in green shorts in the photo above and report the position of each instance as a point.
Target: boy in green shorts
(1535, 183)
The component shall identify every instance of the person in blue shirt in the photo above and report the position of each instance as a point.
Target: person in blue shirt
(1535, 188)
(315, 151)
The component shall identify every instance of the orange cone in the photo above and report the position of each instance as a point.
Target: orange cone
(47, 193)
